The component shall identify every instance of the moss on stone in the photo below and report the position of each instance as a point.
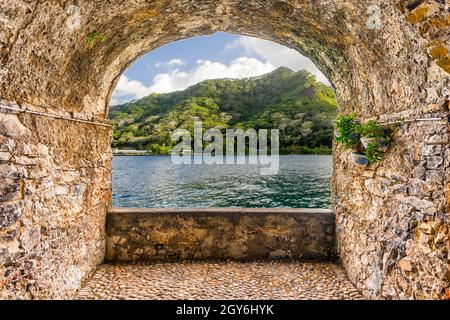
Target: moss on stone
(435, 23)
(439, 51)
(145, 14)
(418, 14)
(444, 63)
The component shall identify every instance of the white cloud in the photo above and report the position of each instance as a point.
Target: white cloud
(170, 63)
(177, 79)
(127, 88)
(239, 68)
(176, 62)
(114, 101)
(277, 55)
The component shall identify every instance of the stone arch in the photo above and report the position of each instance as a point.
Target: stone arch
(384, 61)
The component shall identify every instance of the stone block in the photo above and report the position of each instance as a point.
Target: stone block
(434, 177)
(8, 171)
(425, 206)
(9, 190)
(438, 139)
(419, 172)
(419, 188)
(9, 214)
(4, 157)
(405, 264)
(30, 238)
(434, 162)
(26, 161)
(42, 150)
(30, 150)
(61, 190)
(8, 146)
(11, 126)
(432, 150)
(38, 173)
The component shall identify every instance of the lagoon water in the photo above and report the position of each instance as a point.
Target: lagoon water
(303, 181)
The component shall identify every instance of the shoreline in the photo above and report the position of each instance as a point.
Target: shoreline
(282, 152)
(168, 155)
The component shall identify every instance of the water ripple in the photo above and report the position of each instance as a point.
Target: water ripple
(150, 182)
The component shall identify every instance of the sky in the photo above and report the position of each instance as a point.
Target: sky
(183, 63)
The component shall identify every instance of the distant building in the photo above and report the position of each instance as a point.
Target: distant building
(118, 152)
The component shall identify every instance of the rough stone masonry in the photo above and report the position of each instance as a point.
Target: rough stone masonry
(181, 234)
(386, 59)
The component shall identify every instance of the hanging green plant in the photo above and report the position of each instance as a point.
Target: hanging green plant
(372, 129)
(373, 133)
(347, 131)
(368, 141)
(373, 153)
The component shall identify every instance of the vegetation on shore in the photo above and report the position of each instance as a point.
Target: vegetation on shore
(294, 102)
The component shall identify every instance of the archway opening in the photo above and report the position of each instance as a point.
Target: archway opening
(226, 82)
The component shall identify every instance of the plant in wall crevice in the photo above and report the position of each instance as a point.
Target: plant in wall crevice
(373, 133)
(347, 131)
(94, 37)
(373, 152)
(368, 142)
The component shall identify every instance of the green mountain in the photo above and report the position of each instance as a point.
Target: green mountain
(294, 102)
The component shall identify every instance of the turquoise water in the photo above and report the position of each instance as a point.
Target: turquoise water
(303, 181)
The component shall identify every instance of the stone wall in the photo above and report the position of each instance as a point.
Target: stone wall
(385, 59)
(240, 234)
(393, 218)
(54, 190)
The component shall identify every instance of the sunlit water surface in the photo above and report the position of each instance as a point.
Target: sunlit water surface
(303, 181)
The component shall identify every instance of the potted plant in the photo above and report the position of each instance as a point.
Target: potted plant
(373, 133)
(368, 142)
(347, 131)
(373, 152)
(360, 159)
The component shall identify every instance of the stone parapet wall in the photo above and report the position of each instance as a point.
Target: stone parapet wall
(223, 233)
(54, 189)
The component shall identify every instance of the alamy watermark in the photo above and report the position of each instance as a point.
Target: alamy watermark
(213, 147)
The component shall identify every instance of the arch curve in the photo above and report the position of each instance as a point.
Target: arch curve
(385, 61)
(70, 72)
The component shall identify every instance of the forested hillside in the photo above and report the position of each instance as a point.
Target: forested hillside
(294, 102)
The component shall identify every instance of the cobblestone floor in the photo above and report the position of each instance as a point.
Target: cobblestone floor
(231, 280)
